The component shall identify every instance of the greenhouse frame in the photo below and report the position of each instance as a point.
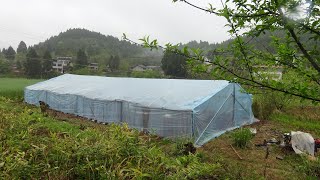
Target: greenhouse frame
(173, 108)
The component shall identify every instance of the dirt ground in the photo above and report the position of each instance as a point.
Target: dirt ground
(254, 163)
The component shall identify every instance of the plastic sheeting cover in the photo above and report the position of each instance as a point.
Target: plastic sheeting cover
(198, 109)
(302, 142)
(160, 93)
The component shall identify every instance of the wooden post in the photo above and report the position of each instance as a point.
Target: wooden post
(236, 152)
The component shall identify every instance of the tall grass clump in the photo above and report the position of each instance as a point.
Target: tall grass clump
(242, 137)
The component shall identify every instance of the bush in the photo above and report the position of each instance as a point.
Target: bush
(181, 146)
(265, 104)
(242, 137)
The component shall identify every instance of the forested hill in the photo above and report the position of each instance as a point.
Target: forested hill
(99, 47)
(96, 45)
(263, 42)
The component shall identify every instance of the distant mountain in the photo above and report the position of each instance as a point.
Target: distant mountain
(263, 42)
(96, 45)
(100, 47)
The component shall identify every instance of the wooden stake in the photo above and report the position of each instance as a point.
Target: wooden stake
(236, 152)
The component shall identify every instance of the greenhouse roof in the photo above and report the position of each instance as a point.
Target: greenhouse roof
(174, 94)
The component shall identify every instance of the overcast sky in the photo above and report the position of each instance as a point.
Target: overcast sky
(34, 21)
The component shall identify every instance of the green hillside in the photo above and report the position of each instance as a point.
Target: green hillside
(262, 43)
(98, 47)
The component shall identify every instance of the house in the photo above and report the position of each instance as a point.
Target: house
(15, 69)
(61, 64)
(93, 66)
(142, 68)
(139, 68)
(275, 72)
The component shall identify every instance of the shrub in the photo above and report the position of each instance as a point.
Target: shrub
(242, 137)
(265, 104)
(181, 146)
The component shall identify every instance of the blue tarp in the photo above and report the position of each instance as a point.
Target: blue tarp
(198, 109)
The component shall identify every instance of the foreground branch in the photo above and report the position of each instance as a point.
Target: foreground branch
(226, 69)
(235, 15)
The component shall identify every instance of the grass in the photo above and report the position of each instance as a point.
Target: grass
(13, 87)
(34, 147)
(290, 122)
(242, 137)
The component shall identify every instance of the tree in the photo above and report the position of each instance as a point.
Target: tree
(10, 53)
(18, 64)
(252, 19)
(32, 64)
(174, 64)
(114, 62)
(22, 47)
(4, 51)
(4, 65)
(82, 59)
(46, 63)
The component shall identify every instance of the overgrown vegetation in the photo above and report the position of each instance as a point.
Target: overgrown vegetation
(242, 137)
(267, 102)
(34, 147)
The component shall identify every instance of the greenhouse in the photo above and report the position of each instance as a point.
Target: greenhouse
(197, 109)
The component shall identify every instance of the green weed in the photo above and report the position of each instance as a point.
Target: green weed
(241, 137)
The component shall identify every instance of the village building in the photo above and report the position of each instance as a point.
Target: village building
(142, 68)
(61, 64)
(94, 66)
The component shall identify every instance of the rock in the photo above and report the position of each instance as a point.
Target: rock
(253, 131)
(279, 157)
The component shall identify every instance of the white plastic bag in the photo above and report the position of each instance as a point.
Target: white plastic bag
(302, 142)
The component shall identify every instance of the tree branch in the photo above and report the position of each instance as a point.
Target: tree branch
(178, 52)
(241, 47)
(309, 29)
(217, 13)
(197, 7)
(303, 50)
(297, 41)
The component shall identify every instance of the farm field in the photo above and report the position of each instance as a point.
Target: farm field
(50, 146)
(13, 87)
